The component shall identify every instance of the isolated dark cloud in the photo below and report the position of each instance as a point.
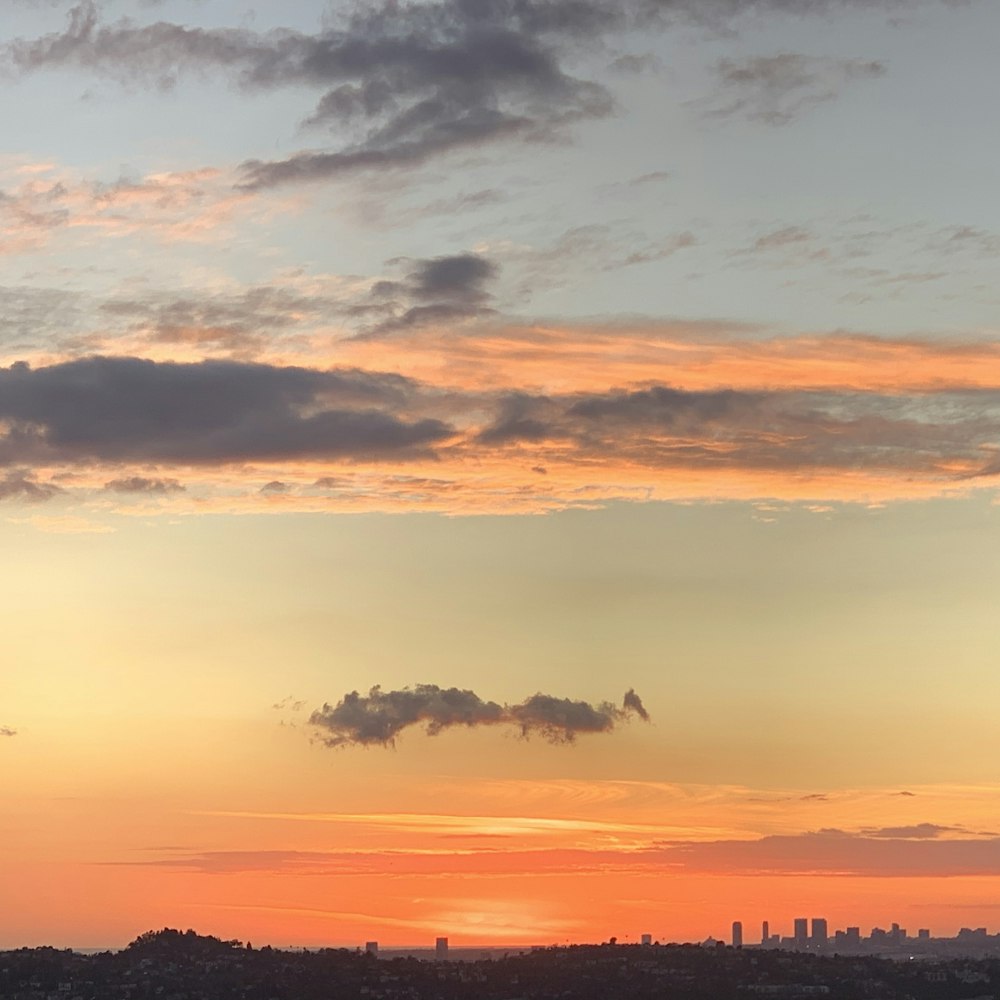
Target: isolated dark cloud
(274, 488)
(376, 719)
(445, 289)
(128, 409)
(780, 88)
(633, 703)
(460, 278)
(144, 485)
(7, 731)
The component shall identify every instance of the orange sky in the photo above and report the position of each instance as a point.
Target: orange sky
(524, 492)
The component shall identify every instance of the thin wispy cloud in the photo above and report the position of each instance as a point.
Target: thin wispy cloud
(19, 485)
(144, 485)
(778, 89)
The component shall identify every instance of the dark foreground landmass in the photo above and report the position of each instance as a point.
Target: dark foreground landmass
(174, 965)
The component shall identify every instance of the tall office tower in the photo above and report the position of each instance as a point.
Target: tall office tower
(737, 934)
(441, 948)
(765, 933)
(646, 939)
(853, 936)
(924, 934)
(819, 932)
(371, 947)
(801, 933)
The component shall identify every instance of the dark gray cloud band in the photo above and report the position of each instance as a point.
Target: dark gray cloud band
(108, 411)
(376, 719)
(663, 427)
(211, 412)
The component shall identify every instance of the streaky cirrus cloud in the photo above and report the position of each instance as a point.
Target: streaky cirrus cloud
(830, 853)
(778, 89)
(400, 85)
(412, 82)
(590, 357)
(39, 201)
(836, 852)
(376, 719)
(918, 831)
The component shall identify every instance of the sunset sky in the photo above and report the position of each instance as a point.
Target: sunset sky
(527, 367)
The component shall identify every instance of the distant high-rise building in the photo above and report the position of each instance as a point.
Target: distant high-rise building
(765, 932)
(853, 935)
(371, 947)
(737, 934)
(441, 948)
(646, 939)
(923, 934)
(820, 934)
(801, 933)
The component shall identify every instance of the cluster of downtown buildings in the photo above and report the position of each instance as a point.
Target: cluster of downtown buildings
(817, 937)
(814, 935)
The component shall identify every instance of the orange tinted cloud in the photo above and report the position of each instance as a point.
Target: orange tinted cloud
(696, 356)
(511, 421)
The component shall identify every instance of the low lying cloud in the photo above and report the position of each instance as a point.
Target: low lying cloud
(926, 849)
(7, 731)
(919, 831)
(376, 719)
(830, 853)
